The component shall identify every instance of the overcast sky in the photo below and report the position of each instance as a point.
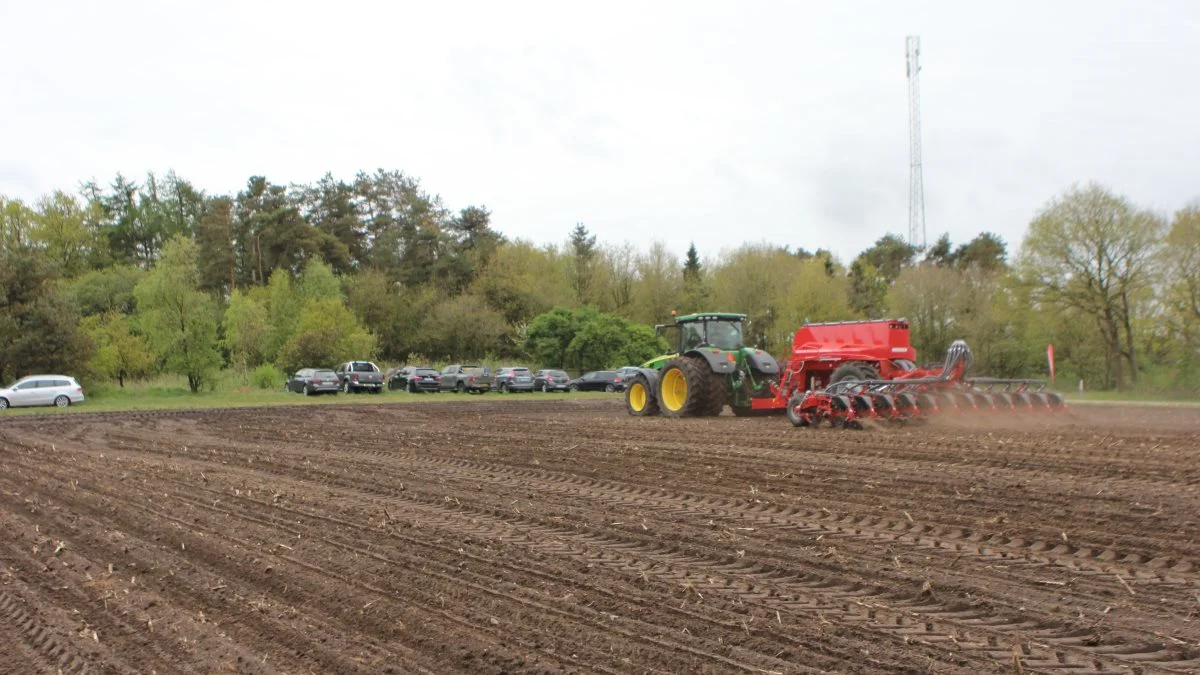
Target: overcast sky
(718, 122)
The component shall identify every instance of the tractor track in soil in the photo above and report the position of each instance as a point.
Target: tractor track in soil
(564, 536)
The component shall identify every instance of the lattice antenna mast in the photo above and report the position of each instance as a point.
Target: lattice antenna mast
(916, 184)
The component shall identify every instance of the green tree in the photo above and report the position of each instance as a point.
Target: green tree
(326, 333)
(68, 233)
(105, 290)
(694, 296)
(120, 354)
(587, 339)
(404, 225)
(246, 330)
(615, 277)
(216, 238)
(464, 327)
(607, 341)
(283, 303)
(584, 251)
(16, 225)
(178, 318)
(929, 297)
(1180, 265)
(986, 251)
(470, 243)
(550, 333)
(941, 254)
(318, 281)
(39, 327)
(659, 287)
(1093, 251)
(331, 207)
(521, 280)
(389, 310)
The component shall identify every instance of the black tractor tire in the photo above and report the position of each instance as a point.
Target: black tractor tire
(640, 399)
(849, 371)
(689, 388)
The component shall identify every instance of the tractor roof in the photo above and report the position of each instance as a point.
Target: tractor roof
(710, 316)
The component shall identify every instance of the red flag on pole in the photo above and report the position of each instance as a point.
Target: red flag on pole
(1050, 359)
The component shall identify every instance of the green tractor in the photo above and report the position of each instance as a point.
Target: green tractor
(709, 368)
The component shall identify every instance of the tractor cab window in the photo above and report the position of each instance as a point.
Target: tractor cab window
(726, 335)
(693, 335)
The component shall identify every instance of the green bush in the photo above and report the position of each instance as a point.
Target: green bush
(267, 376)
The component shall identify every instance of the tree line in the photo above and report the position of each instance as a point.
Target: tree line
(126, 279)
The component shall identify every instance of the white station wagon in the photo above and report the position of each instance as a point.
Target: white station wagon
(56, 390)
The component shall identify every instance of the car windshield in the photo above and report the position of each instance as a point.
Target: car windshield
(472, 370)
(363, 367)
(425, 371)
(325, 373)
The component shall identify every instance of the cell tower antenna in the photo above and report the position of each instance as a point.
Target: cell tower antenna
(916, 184)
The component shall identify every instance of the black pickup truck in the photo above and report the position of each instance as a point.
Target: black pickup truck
(473, 379)
(360, 376)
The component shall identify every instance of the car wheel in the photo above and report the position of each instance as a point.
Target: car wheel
(62, 401)
(545, 388)
(609, 388)
(573, 388)
(307, 391)
(3, 404)
(459, 388)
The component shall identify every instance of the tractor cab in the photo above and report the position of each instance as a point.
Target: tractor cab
(714, 330)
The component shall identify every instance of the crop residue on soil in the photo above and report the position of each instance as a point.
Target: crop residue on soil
(542, 535)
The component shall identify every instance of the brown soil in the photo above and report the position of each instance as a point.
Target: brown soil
(551, 535)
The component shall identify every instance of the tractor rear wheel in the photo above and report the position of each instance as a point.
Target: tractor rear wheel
(640, 401)
(688, 388)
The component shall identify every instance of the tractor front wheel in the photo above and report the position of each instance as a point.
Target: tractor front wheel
(639, 399)
(688, 388)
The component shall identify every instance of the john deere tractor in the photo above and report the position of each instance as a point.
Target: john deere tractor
(709, 367)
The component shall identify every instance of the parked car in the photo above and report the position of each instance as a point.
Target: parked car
(414, 379)
(597, 380)
(460, 378)
(360, 376)
(627, 374)
(551, 380)
(514, 378)
(309, 381)
(56, 390)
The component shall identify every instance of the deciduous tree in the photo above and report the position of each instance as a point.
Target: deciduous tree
(179, 319)
(1092, 251)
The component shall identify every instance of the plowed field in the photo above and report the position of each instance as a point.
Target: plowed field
(538, 534)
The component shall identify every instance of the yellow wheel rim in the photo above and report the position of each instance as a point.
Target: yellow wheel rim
(637, 397)
(674, 389)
